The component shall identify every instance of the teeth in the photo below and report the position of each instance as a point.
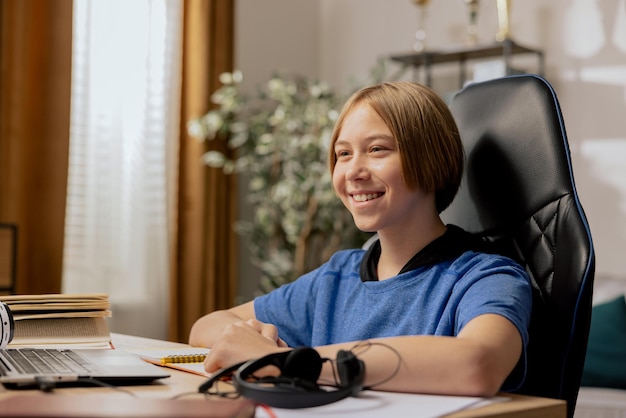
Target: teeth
(365, 197)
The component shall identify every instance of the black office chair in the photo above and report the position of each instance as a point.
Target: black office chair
(518, 193)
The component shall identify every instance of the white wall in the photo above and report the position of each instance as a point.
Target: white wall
(585, 46)
(276, 35)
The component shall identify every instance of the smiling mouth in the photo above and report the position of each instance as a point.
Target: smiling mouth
(366, 197)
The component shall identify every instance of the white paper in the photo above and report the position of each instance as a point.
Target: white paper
(385, 404)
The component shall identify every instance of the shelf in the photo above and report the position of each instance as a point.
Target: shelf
(505, 49)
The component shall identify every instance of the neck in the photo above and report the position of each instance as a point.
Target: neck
(397, 249)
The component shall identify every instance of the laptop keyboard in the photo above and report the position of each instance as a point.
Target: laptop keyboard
(49, 361)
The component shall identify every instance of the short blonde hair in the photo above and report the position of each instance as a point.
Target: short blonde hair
(428, 139)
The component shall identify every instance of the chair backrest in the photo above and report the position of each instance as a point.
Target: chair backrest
(518, 193)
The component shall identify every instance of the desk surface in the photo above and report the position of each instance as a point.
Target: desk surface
(186, 384)
(517, 407)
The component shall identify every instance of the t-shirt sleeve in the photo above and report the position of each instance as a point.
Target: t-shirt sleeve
(503, 288)
(290, 309)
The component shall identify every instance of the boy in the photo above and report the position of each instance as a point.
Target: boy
(456, 317)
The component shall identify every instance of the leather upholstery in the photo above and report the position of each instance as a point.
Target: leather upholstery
(518, 193)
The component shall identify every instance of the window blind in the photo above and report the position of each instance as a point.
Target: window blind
(126, 75)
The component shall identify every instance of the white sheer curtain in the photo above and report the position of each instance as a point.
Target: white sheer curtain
(123, 157)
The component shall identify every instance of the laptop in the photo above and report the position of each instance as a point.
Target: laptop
(49, 366)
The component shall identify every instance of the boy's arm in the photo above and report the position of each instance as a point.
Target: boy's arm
(234, 335)
(475, 363)
(208, 329)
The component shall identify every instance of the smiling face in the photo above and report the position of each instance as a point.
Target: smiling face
(425, 133)
(368, 176)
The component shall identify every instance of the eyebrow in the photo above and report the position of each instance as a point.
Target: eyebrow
(368, 138)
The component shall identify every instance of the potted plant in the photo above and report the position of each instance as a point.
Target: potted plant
(280, 140)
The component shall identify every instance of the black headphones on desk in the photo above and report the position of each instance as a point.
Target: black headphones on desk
(296, 386)
(7, 326)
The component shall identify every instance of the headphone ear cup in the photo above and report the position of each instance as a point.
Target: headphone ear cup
(7, 325)
(297, 387)
(351, 370)
(302, 363)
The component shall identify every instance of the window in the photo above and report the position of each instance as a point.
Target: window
(126, 73)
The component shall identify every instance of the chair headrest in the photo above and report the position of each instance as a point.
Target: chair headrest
(514, 136)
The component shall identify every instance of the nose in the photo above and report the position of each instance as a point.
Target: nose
(358, 169)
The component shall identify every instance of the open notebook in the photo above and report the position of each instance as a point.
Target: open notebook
(37, 366)
(190, 360)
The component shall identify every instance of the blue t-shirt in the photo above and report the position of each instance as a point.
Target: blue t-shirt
(332, 305)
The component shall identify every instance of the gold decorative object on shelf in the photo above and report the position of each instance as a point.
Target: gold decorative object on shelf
(472, 23)
(420, 35)
(504, 20)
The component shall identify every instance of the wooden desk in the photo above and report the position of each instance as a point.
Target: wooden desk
(519, 406)
(186, 384)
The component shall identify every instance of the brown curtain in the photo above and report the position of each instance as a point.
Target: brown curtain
(35, 68)
(35, 83)
(204, 257)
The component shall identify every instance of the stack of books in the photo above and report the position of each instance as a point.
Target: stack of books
(60, 319)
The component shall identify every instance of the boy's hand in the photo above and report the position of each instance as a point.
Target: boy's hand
(242, 341)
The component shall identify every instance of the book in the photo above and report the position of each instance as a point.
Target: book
(58, 302)
(60, 319)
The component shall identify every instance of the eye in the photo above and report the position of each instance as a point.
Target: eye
(382, 146)
(341, 153)
(377, 149)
